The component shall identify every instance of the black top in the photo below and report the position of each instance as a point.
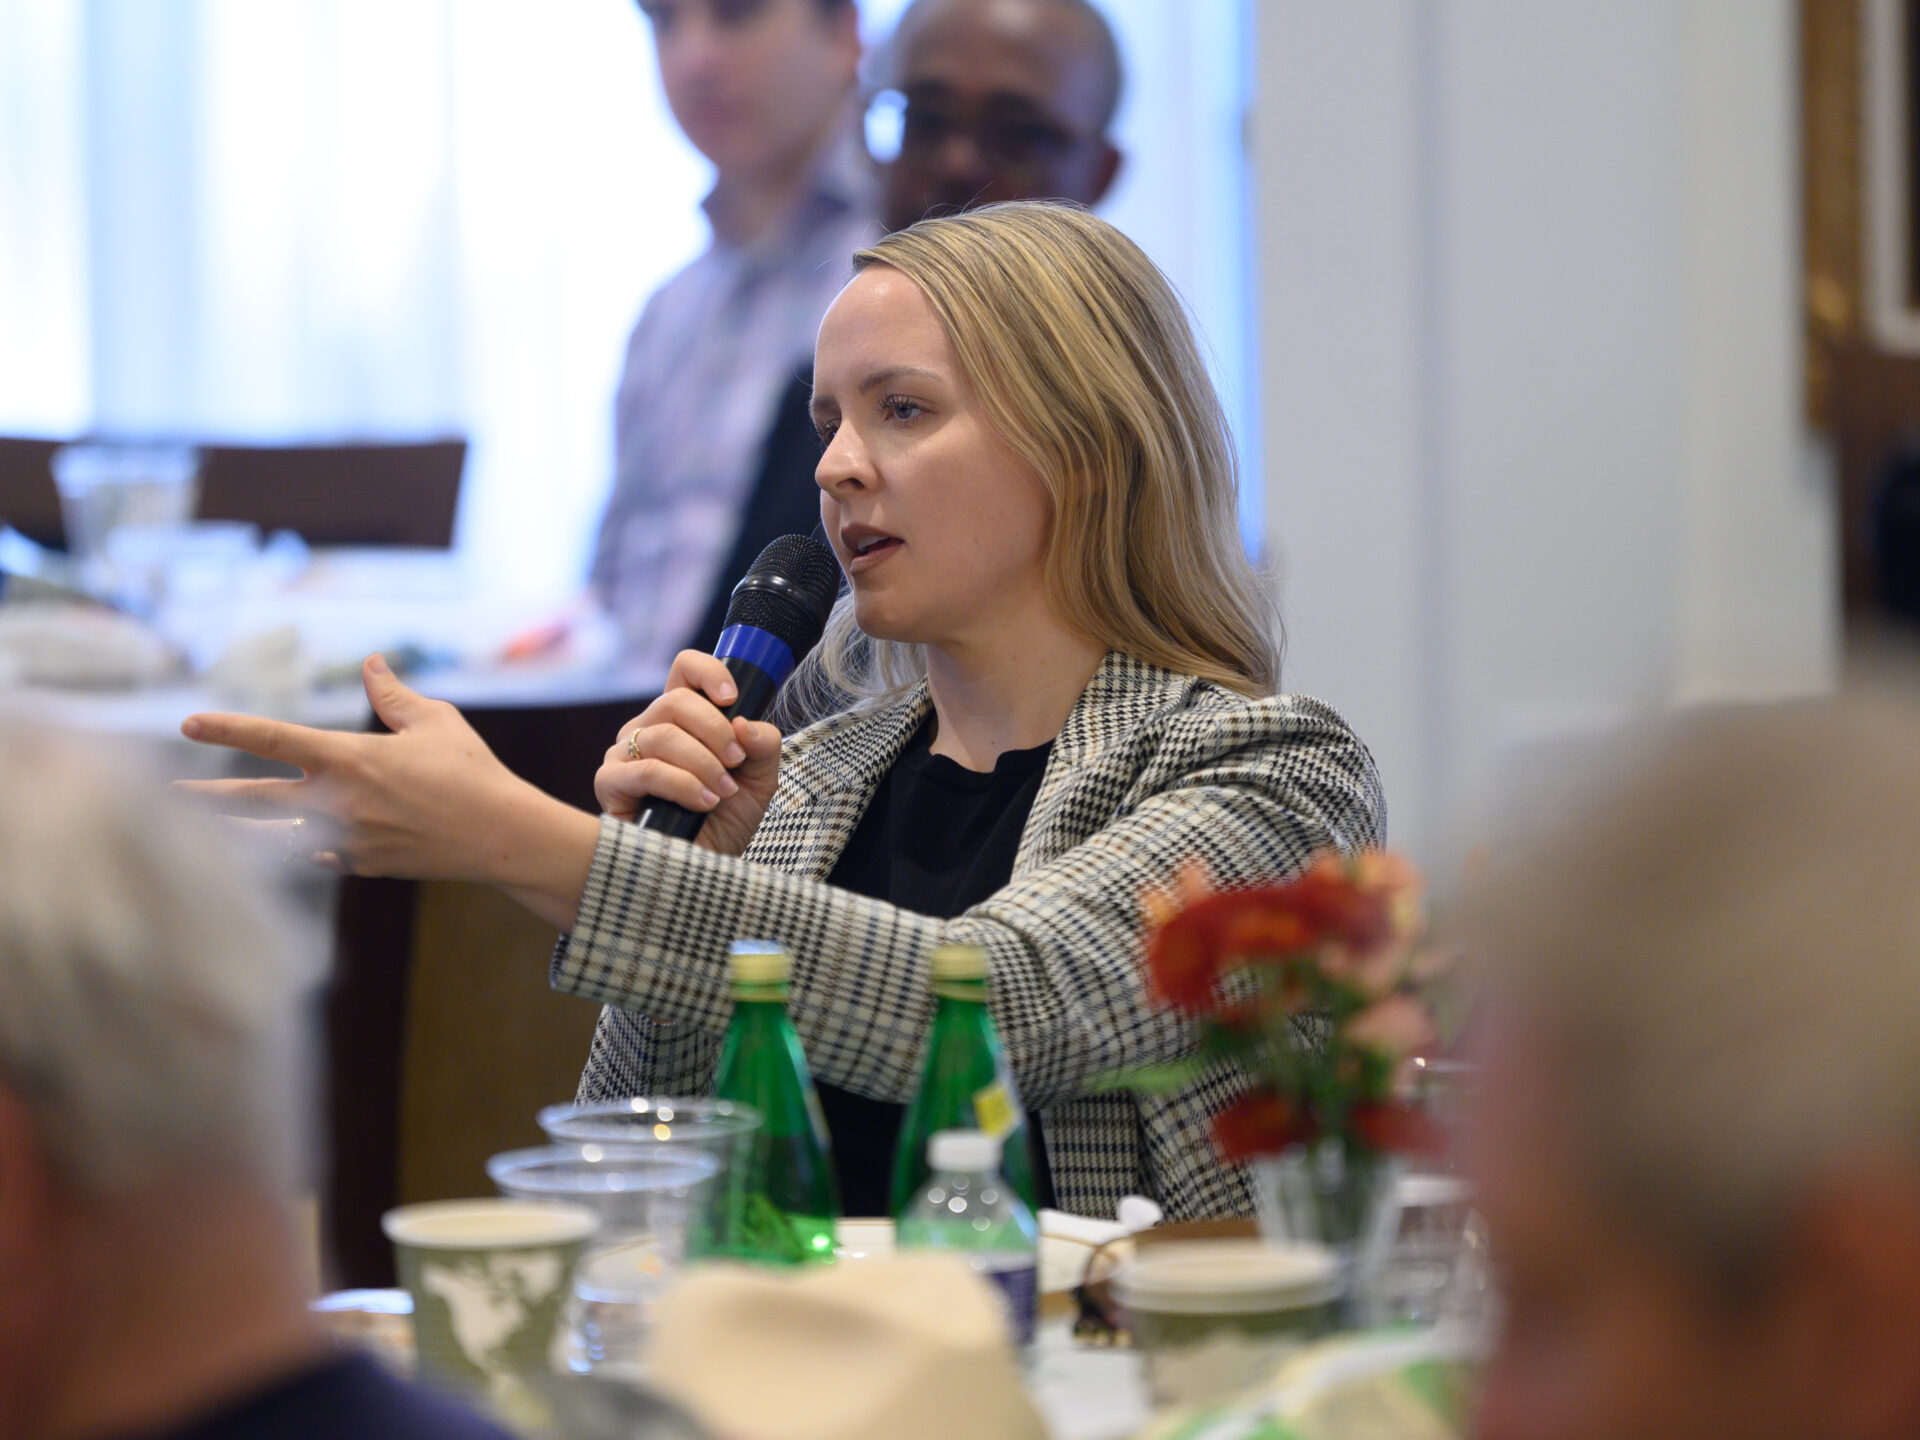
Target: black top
(347, 1399)
(937, 839)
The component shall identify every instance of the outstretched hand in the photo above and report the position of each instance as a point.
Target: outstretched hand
(428, 802)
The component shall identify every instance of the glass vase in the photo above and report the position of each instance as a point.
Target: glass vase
(1330, 1193)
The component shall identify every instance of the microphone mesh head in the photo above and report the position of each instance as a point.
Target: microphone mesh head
(788, 592)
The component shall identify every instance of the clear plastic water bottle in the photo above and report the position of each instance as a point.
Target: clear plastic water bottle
(968, 1210)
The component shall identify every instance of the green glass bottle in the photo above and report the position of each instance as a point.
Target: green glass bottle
(782, 1209)
(965, 1083)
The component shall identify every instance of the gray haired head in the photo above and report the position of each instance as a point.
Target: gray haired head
(1716, 967)
(153, 992)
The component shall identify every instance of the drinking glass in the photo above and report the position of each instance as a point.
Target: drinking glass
(1413, 1278)
(657, 1174)
(715, 1126)
(1427, 1267)
(722, 1131)
(106, 488)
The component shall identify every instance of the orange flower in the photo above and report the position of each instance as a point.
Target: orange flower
(1189, 953)
(1370, 973)
(1393, 1128)
(1357, 904)
(1325, 896)
(1384, 873)
(1391, 1028)
(1340, 936)
(1161, 903)
(1260, 1123)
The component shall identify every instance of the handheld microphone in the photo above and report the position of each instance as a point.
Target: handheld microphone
(775, 617)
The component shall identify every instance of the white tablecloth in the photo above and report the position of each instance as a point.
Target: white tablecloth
(343, 606)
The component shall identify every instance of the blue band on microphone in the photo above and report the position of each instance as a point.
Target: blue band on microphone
(767, 653)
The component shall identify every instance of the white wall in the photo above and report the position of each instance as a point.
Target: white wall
(1529, 374)
(328, 218)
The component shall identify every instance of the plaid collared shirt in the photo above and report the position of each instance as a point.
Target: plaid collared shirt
(1151, 770)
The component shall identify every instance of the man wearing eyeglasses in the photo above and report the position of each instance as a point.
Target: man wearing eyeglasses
(999, 100)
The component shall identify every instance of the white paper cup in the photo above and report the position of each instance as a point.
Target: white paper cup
(489, 1280)
(1214, 1316)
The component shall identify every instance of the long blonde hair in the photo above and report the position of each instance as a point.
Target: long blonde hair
(1084, 364)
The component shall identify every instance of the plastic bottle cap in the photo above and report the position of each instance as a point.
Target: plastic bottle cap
(959, 962)
(963, 1150)
(758, 962)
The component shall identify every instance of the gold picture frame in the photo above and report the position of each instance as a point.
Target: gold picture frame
(1832, 50)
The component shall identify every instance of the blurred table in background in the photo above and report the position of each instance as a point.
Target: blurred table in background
(441, 1035)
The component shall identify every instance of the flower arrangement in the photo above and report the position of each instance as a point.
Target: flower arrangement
(1318, 988)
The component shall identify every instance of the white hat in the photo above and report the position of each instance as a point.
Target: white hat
(908, 1348)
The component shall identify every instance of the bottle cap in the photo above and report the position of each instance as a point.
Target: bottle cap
(959, 962)
(963, 1150)
(758, 962)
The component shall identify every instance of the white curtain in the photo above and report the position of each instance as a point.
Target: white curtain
(329, 218)
(324, 218)
(44, 350)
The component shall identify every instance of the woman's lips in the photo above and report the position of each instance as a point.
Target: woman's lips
(866, 559)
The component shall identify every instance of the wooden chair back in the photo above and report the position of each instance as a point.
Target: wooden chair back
(347, 494)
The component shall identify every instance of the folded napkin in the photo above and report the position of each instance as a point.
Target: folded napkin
(1079, 1227)
(910, 1347)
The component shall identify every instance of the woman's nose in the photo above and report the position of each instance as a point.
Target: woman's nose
(844, 465)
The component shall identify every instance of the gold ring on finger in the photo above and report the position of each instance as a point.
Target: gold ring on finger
(633, 744)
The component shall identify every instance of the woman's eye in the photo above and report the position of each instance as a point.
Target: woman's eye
(826, 431)
(898, 407)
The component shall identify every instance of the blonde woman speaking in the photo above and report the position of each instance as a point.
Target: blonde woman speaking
(1058, 675)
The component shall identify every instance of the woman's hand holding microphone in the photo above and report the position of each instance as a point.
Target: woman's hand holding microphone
(683, 749)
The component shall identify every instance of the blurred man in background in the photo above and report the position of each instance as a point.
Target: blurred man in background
(766, 90)
(1699, 1145)
(152, 1117)
(1003, 100)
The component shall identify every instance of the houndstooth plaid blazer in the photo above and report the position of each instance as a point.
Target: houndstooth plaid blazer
(1152, 769)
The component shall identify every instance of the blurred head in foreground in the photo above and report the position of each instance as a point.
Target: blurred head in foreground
(1005, 100)
(1699, 1144)
(150, 1019)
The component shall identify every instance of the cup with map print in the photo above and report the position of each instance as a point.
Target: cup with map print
(490, 1279)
